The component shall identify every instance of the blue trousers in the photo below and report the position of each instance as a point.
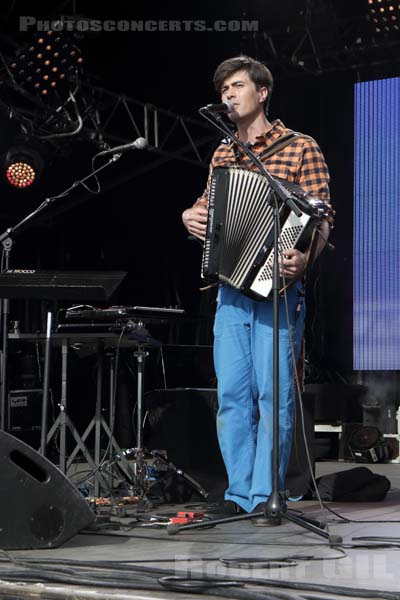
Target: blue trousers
(243, 352)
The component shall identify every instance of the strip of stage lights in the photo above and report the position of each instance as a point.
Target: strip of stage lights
(376, 251)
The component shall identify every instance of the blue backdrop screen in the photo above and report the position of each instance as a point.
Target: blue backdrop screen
(376, 251)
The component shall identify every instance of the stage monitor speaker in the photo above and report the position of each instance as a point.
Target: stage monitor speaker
(39, 506)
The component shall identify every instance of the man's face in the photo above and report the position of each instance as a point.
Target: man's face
(247, 100)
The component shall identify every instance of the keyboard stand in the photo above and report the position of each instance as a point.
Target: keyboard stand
(99, 423)
(63, 422)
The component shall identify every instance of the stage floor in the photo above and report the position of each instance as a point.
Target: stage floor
(126, 563)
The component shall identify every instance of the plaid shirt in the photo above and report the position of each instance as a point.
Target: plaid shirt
(300, 162)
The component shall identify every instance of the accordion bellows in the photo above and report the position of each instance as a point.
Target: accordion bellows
(238, 249)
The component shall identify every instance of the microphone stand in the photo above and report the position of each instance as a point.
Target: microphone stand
(7, 240)
(275, 508)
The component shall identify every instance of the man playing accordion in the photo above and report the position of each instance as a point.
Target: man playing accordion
(243, 329)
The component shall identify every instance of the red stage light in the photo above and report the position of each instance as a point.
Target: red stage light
(23, 166)
(20, 175)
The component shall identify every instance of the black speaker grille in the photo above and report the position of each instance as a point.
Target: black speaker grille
(47, 523)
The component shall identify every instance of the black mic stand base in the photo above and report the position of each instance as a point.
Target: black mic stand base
(305, 523)
(273, 510)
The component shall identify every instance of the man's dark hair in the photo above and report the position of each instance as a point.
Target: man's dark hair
(259, 74)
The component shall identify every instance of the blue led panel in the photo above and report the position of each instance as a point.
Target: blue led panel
(376, 250)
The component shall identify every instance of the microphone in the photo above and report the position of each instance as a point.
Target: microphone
(138, 144)
(224, 107)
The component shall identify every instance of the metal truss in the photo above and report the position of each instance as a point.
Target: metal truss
(317, 41)
(105, 118)
(110, 118)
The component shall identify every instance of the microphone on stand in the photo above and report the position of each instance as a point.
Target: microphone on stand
(224, 107)
(139, 144)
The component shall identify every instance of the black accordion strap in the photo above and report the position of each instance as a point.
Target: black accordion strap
(281, 143)
(276, 146)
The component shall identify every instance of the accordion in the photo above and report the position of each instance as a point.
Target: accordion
(238, 248)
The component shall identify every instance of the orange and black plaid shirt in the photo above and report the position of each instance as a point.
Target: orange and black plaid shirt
(300, 162)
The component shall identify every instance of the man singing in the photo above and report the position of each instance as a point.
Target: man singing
(243, 328)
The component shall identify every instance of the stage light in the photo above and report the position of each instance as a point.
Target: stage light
(23, 166)
(384, 15)
(43, 58)
(20, 175)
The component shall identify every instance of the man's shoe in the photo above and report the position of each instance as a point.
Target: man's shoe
(226, 508)
(264, 521)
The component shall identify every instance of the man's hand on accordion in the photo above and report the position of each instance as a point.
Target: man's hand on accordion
(195, 220)
(292, 264)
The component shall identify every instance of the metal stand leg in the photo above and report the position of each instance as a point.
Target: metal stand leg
(63, 422)
(4, 357)
(7, 245)
(140, 452)
(111, 480)
(98, 423)
(63, 404)
(140, 356)
(97, 417)
(46, 377)
(140, 476)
